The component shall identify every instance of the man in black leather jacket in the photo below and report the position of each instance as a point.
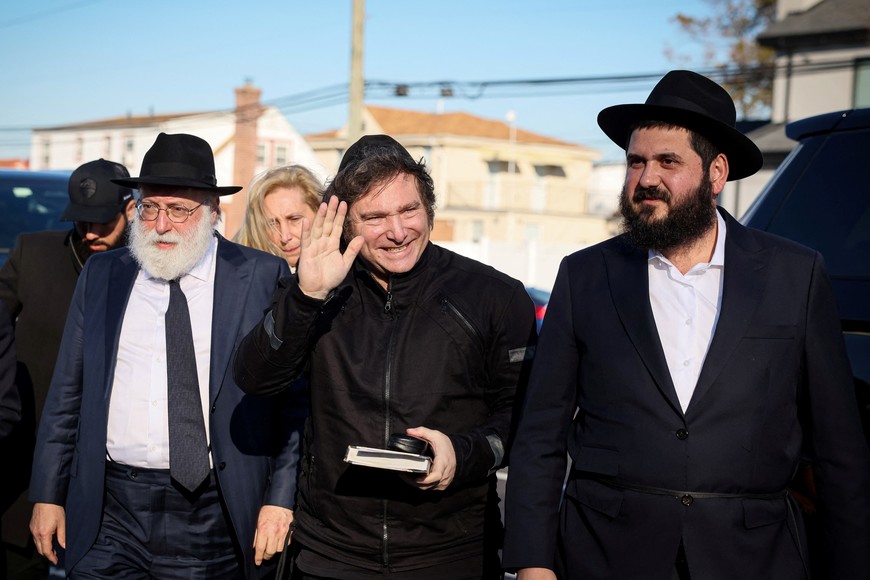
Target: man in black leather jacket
(394, 335)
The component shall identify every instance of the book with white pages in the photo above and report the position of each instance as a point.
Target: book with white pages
(387, 459)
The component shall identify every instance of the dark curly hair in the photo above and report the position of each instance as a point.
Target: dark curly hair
(367, 167)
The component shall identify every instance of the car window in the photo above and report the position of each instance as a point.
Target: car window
(829, 209)
(30, 202)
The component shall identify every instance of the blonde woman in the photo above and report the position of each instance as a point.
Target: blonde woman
(278, 200)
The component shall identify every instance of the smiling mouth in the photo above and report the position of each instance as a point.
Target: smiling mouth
(396, 250)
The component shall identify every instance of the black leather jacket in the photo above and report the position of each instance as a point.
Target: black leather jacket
(446, 346)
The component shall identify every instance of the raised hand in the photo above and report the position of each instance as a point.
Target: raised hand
(322, 266)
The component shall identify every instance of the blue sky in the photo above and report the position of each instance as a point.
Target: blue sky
(67, 61)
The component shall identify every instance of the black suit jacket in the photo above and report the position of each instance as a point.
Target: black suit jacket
(254, 441)
(775, 376)
(36, 286)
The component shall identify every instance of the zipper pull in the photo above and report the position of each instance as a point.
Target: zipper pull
(389, 305)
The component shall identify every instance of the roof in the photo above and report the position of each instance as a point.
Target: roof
(399, 122)
(126, 121)
(839, 17)
(771, 138)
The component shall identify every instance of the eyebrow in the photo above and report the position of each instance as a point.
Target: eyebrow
(379, 214)
(630, 157)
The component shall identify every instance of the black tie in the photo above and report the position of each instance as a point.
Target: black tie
(188, 450)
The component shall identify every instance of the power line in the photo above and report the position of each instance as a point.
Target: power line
(45, 14)
(337, 94)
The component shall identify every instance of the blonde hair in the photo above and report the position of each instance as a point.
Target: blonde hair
(255, 229)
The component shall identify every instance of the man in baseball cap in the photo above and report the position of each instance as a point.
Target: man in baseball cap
(36, 286)
(99, 208)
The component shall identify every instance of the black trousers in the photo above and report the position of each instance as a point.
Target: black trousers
(150, 529)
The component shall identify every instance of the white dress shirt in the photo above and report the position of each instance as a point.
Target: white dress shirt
(138, 428)
(686, 310)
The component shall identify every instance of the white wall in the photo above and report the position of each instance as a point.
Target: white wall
(535, 265)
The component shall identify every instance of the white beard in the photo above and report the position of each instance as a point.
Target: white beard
(188, 248)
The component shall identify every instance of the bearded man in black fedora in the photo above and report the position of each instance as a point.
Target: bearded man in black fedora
(150, 462)
(685, 366)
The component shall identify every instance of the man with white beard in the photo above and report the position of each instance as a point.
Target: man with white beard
(150, 461)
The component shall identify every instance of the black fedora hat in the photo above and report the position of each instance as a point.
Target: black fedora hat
(93, 197)
(693, 101)
(181, 160)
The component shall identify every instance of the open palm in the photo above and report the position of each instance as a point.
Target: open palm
(322, 266)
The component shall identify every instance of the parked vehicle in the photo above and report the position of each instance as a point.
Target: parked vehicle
(30, 201)
(819, 197)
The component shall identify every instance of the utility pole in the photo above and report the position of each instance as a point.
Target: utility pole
(354, 119)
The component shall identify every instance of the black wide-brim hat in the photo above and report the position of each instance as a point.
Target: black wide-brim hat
(693, 101)
(179, 160)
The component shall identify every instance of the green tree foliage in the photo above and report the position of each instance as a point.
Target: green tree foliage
(728, 38)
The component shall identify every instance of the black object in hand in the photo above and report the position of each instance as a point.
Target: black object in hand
(407, 444)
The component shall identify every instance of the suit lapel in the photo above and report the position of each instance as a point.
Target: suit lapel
(629, 282)
(232, 279)
(743, 285)
(121, 278)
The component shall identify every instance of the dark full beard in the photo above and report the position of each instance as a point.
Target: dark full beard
(685, 222)
(82, 247)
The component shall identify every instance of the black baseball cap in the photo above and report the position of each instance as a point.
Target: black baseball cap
(92, 195)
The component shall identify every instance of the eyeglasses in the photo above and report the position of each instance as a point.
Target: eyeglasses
(175, 213)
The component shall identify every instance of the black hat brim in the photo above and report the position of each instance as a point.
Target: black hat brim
(136, 183)
(744, 157)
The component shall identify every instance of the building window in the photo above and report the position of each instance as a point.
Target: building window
(129, 145)
(280, 155)
(261, 154)
(862, 83)
(107, 146)
(46, 154)
(80, 150)
(543, 176)
(492, 192)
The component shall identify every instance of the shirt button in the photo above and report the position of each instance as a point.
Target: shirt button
(687, 500)
(688, 322)
(685, 363)
(682, 434)
(222, 466)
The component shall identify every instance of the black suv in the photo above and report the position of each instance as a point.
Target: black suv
(820, 197)
(30, 201)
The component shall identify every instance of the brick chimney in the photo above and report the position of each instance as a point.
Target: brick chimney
(248, 110)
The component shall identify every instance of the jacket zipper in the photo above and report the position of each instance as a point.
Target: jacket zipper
(445, 302)
(388, 308)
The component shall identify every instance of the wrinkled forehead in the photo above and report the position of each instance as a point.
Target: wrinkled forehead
(400, 188)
